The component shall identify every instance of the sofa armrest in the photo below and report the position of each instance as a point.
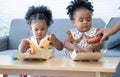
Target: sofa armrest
(3, 42)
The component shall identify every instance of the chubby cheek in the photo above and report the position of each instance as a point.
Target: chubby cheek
(43, 34)
(35, 34)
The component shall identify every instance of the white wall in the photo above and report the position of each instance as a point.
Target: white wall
(10, 9)
(106, 9)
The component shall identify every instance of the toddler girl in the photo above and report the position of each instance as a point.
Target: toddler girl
(80, 13)
(39, 18)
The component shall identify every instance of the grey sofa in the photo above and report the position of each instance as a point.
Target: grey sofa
(19, 30)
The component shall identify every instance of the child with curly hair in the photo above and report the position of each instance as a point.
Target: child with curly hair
(39, 18)
(80, 13)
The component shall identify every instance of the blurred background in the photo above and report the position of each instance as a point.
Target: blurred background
(11, 9)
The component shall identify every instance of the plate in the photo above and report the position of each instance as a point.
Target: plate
(41, 55)
(86, 56)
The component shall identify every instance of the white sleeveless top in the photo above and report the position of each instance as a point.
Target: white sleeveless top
(34, 40)
(77, 35)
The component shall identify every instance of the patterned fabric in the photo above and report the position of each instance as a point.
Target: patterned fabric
(77, 35)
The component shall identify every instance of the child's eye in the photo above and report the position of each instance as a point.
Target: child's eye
(81, 20)
(42, 29)
(36, 29)
(88, 19)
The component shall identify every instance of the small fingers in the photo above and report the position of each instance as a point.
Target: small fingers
(79, 51)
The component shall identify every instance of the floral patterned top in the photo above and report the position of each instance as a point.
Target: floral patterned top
(77, 35)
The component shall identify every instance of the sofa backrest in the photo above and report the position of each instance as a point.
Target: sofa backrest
(19, 29)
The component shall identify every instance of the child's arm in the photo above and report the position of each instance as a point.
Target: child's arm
(95, 48)
(56, 42)
(96, 45)
(69, 45)
(24, 45)
(116, 28)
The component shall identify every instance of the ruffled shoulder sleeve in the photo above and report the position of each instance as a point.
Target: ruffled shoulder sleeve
(91, 32)
(75, 34)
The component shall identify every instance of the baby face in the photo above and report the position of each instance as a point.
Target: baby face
(39, 28)
(82, 20)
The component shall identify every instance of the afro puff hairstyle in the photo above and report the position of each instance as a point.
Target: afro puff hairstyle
(40, 13)
(78, 4)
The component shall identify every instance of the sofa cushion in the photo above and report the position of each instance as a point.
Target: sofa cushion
(114, 40)
(3, 42)
(114, 52)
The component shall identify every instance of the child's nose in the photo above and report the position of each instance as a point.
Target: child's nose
(84, 21)
(39, 31)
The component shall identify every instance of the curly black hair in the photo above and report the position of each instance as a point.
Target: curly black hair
(78, 4)
(40, 12)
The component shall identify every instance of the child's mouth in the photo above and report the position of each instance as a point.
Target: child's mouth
(39, 36)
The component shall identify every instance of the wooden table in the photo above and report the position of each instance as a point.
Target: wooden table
(59, 66)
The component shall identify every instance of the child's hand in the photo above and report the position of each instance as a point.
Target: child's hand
(78, 50)
(24, 45)
(24, 42)
(55, 42)
(106, 33)
(52, 38)
(89, 50)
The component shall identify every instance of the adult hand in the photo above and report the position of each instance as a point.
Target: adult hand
(107, 32)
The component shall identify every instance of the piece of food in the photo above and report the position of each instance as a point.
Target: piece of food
(95, 39)
(33, 47)
(45, 43)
